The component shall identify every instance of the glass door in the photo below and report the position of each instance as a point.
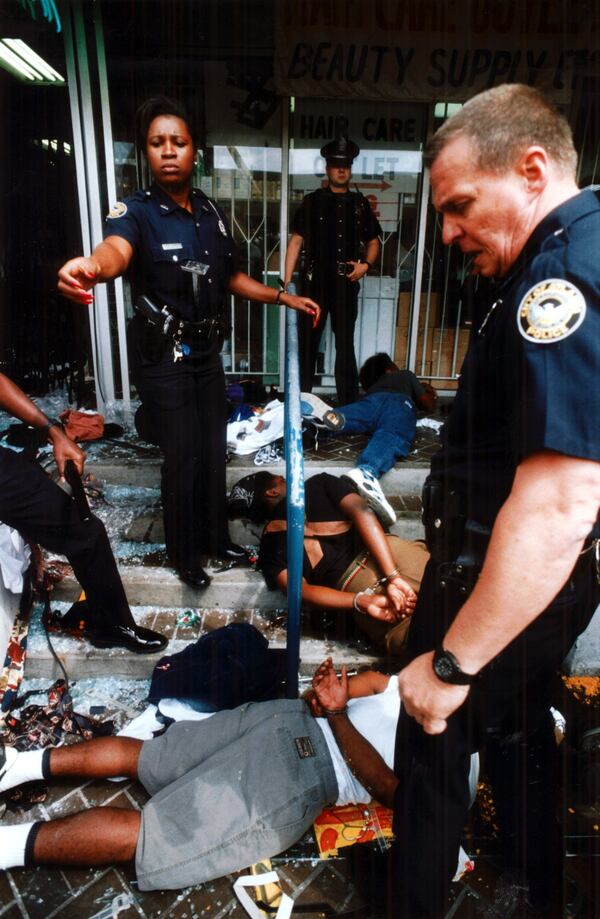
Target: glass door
(388, 172)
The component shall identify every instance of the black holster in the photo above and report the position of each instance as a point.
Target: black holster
(444, 520)
(157, 328)
(457, 543)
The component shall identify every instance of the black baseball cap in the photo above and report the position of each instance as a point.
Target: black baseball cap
(247, 497)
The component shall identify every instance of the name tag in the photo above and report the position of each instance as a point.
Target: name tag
(169, 246)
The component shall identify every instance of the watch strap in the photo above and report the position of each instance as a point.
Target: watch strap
(448, 670)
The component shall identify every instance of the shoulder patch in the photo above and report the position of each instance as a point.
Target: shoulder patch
(117, 210)
(550, 311)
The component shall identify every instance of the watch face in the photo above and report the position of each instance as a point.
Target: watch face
(443, 667)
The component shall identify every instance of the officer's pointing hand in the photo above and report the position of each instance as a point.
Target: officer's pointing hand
(77, 277)
(303, 305)
(429, 701)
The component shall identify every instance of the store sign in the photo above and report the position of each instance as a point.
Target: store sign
(428, 50)
(390, 140)
(46, 7)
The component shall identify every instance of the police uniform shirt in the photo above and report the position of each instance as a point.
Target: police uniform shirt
(335, 227)
(530, 381)
(323, 494)
(166, 237)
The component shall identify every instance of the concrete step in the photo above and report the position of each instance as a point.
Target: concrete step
(236, 588)
(82, 661)
(148, 528)
(406, 478)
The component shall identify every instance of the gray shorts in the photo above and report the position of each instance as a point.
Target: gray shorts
(229, 791)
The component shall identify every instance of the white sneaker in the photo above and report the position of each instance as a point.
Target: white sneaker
(369, 488)
(312, 406)
(8, 755)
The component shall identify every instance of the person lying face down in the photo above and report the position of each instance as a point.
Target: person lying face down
(387, 412)
(237, 787)
(342, 537)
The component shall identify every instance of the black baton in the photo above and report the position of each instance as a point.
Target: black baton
(77, 490)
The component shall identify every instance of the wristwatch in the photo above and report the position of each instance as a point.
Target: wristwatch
(448, 670)
(52, 423)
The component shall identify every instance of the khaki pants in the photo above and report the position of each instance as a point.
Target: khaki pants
(410, 558)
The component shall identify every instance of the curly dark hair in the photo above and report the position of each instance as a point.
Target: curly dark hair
(153, 107)
(373, 368)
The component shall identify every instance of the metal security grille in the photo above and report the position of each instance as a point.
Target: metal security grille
(246, 183)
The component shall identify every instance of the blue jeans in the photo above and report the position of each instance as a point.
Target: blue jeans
(391, 419)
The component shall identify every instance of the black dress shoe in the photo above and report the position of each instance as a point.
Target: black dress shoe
(132, 638)
(198, 578)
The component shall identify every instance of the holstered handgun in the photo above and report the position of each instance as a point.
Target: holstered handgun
(158, 328)
(444, 520)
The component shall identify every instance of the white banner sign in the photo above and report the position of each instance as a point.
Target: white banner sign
(430, 50)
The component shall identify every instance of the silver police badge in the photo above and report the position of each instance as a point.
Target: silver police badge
(117, 210)
(550, 311)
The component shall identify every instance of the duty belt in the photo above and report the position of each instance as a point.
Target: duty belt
(189, 332)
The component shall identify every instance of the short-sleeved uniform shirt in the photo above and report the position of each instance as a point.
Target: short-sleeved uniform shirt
(335, 227)
(167, 240)
(531, 377)
(322, 496)
(403, 382)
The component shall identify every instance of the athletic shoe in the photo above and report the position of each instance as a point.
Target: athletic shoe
(369, 488)
(313, 407)
(8, 756)
(333, 420)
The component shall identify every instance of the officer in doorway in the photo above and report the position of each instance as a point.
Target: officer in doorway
(337, 234)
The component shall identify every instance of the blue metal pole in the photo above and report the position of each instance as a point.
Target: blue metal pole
(294, 469)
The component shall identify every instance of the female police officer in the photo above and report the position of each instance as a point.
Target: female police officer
(174, 245)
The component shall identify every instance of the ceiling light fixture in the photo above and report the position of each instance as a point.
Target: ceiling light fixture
(23, 62)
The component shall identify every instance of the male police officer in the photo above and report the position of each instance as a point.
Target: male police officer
(337, 232)
(512, 499)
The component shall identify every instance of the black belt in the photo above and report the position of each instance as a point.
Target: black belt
(189, 332)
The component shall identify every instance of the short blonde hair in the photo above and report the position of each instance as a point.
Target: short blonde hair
(502, 122)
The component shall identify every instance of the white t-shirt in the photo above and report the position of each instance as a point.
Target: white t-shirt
(376, 718)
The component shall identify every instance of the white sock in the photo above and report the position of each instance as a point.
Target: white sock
(21, 767)
(13, 844)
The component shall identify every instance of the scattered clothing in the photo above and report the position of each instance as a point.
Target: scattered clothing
(250, 434)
